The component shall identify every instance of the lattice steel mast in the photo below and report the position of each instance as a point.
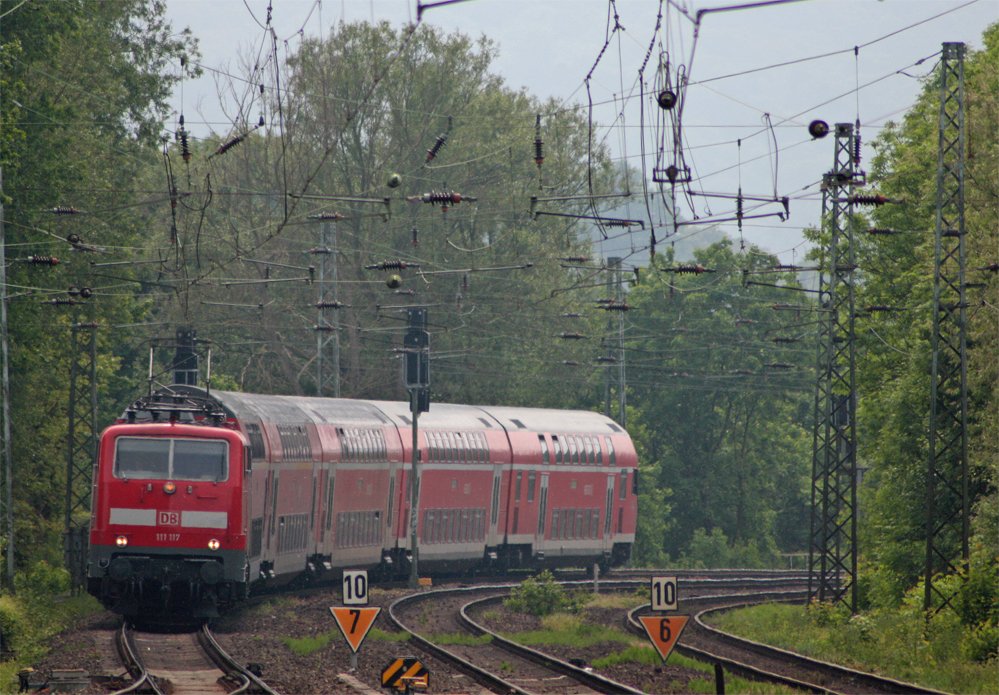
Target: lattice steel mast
(327, 324)
(81, 448)
(947, 499)
(833, 552)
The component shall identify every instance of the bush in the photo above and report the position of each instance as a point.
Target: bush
(12, 624)
(540, 596)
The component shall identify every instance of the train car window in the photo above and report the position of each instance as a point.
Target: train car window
(573, 456)
(247, 462)
(556, 531)
(634, 482)
(496, 492)
(557, 446)
(329, 500)
(274, 498)
(391, 499)
(624, 485)
(599, 451)
(531, 476)
(516, 494)
(611, 456)
(256, 438)
(594, 523)
(199, 460)
(545, 456)
(142, 458)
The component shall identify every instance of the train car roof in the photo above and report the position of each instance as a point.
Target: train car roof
(278, 409)
(347, 411)
(448, 416)
(548, 420)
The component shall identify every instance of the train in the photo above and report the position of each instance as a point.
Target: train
(201, 498)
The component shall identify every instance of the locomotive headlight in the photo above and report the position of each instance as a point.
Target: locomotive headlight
(169, 487)
(213, 544)
(121, 541)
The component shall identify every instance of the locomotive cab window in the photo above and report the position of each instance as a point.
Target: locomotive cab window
(175, 459)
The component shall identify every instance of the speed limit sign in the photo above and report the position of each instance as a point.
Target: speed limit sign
(355, 587)
(664, 596)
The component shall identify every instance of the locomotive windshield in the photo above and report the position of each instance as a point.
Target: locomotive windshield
(174, 459)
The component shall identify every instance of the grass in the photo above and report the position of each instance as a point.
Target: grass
(896, 644)
(570, 630)
(303, 646)
(383, 636)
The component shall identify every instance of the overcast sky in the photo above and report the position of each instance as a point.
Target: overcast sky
(548, 47)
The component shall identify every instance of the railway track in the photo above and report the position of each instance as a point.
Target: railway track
(495, 663)
(174, 663)
(761, 662)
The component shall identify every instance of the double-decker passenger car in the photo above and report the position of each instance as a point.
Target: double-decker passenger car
(200, 497)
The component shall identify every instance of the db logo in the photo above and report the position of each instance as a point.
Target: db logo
(168, 519)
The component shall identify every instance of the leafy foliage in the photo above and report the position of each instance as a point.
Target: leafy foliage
(541, 595)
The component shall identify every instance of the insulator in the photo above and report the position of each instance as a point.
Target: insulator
(64, 210)
(780, 267)
(603, 359)
(185, 147)
(784, 341)
(406, 292)
(389, 265)
(862, 199)
(334, 304)
(327, 216)
(616, 306)
(570, 363)
(228, 145)
(571, 315)
(856, 143)
(575, 259)
(73, 239)
(695, 269)
(324, 329)
(320, 251)
(876, 308)
(261, 88)
(744, 322)
(62, 302)
(671, 173)
(260, 122)
(444, 198)
(84, 292)
(666, 99)
(881, 231)
(991, 267)
(539, 144)
(42, 260)
(464, 282)
(432, 152)
(416, 236)
(572, 336)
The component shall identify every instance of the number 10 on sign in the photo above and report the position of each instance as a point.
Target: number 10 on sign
(664, 594)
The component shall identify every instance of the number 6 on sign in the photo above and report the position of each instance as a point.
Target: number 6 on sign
(664, 632)
(664, 595)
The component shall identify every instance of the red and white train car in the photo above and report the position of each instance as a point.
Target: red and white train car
(198, 497)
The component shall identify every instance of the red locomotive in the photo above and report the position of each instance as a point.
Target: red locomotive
(201, 497)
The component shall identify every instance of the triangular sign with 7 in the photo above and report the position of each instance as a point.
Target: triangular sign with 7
(354, 623)
(664, 632)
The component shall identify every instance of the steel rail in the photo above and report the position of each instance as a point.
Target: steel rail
(133, 664)
(862, 678)
(247, 679)
(588, 678)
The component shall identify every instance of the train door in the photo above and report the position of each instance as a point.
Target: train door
(608, 513)
(539, 540)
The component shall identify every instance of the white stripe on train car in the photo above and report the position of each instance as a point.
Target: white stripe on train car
(191, 519)
(133, 517)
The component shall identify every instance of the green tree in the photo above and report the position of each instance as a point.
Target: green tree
(84, 94)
